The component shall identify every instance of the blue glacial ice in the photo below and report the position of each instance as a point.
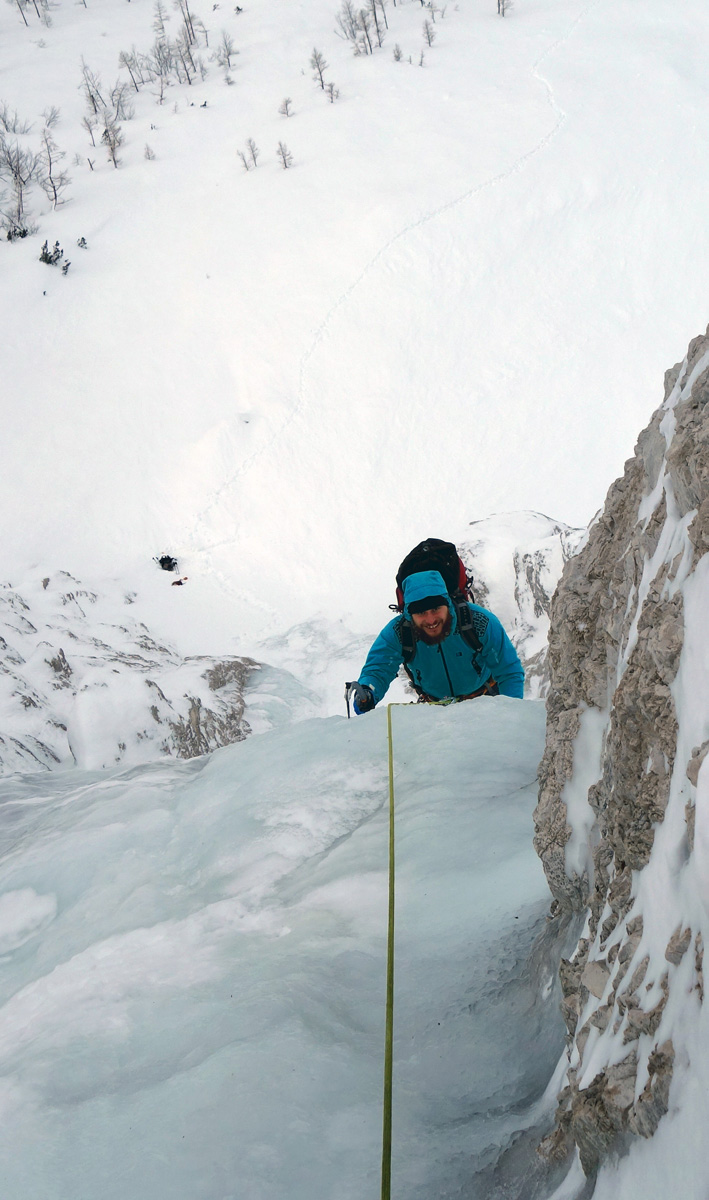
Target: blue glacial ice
(192, 965)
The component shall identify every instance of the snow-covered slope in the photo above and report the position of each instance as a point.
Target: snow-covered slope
(193, 962)
(455, 301)
(83, 683)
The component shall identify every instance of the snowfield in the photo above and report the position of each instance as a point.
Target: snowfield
(460, 299)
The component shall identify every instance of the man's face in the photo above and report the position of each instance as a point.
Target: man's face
(433, 624)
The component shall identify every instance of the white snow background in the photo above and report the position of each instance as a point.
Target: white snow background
(460, 299)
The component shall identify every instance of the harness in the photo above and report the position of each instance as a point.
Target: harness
(465, 627)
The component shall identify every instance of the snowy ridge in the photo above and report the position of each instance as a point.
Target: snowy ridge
(621, 824)
(82, 682)
(516, 560)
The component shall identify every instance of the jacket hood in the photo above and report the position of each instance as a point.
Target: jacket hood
(422, 584)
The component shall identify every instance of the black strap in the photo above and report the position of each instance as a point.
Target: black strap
(468, 632)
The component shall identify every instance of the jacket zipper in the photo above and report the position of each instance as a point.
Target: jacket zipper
(445, 668)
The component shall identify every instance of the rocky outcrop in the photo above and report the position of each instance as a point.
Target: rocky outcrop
(623, 748)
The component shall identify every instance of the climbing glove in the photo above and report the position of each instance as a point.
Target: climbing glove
(362, 698)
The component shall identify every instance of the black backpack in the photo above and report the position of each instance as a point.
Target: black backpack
(435, 555)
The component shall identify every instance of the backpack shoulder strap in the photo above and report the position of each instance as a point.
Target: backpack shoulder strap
(405, 633)
(467, 629)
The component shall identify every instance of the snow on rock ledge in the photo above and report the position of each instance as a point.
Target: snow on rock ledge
(627, 736)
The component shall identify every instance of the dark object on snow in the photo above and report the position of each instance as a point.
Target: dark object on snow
(435, 555)
(51, 257)
(179, 582)
(166, 562)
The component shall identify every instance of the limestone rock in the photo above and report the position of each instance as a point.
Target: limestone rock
(595, 977)
(678, 945)
(616, 639)
(699, 964)
(694, 765)
(600, 1111)
(653, 1101)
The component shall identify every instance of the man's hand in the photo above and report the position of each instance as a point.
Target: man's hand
(361, 697)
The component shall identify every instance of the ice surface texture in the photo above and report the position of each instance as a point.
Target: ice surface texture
(193, 1004)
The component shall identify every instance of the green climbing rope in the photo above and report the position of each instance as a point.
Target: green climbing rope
(389, 1032)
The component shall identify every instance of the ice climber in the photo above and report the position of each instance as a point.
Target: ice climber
(450, 651)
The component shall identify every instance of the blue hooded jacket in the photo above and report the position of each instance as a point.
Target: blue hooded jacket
(450, 668)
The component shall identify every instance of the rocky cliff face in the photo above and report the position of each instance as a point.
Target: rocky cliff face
(627, 736)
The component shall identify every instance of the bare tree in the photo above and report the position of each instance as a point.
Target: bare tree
(112, 137)
(148, 153)
(398, 55)
(285, 155)
(331, 92)
(226, 50)
(51, 116)
(254, 152)
(373, 7)
(133, 66)
(160, 17)
(91, 87)
(19, 168)
(52, 181)
(89, 124)
(364, 25)
(22, 11)
(503, 6)
(188, 24)
(202, 28)
(355, 25)
(429, 33)
(285, 107)
(245, 161)
(11, 122)
(319, 65)
(122, 109)
(346, 21)
(184, 54)
(160, 65)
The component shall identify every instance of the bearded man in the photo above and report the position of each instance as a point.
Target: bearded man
(449, 651)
